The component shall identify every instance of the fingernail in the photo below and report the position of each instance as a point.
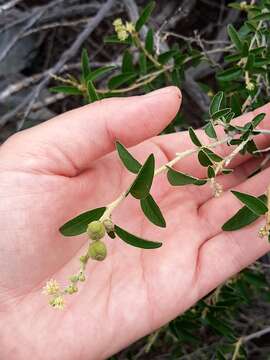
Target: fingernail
(163, 91)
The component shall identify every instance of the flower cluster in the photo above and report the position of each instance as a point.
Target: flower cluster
(123, 30)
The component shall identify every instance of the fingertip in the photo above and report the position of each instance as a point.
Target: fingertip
(165, 102)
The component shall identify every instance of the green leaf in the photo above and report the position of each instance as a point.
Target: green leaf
(99, 72)
(85, 65)
(92, 94)
(194, 137)
(152, 211)
(212, 156)
(118, 80)
(261, 17)
(149, 41)
(242, 218)
(250, 62)
(127, 62)
(230, 74)
(78, 225)
(210, 172)
(227, 171)
(71, 90)
(258, 118)
(141, 186)
(204, 159)
(177, 178)
(143, 64)
(166, 56)
(254, 204)
(127, 159)
(113, 39)
(235, 38)
(251, 147)
(216, 103)
(221, 327)
(210, 131)
(221, 113)
(146, 13)
(135, 240)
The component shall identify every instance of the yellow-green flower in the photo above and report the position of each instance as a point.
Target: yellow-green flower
(51, 288)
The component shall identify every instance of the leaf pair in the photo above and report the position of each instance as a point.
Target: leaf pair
(140, 187)
(253, 209)
(78, 225)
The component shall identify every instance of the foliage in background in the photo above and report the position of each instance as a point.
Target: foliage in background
(242, 84)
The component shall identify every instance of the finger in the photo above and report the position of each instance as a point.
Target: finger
(177, 143)
(73, 140)
(227, 254)
(217, 211)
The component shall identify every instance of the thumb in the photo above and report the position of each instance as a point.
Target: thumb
(68, 143)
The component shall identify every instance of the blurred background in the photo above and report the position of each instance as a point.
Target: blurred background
(41, 38)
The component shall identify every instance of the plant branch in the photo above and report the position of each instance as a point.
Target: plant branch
(179, 156)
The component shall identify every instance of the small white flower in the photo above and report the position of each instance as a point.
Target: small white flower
(250, 86)
(51, 288)
(58, 302)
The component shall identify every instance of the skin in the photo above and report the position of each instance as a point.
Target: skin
(52, 172)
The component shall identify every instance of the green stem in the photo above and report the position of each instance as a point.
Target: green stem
(141, 46)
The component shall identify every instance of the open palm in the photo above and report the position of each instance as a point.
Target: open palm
(56, 170)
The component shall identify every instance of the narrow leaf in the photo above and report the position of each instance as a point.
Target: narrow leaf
(100, 72)
(135, 240)
(141, 186)
(257, 120)
(113, 39)
(204, 159)
(230, 74)
(71, 90)
(210, 172)
(235, 38)
(92, 94)
(261, 17)
(152, 211)
(242, 218)
(194, 137)
(127, 159)
(177, 178)
(127, 62)
(210, 131)
(118, 80)
(146, 13)
(78, 225)
(212, 156)
(216, 103)
(254, 204)
(149, 41)
(221, 113)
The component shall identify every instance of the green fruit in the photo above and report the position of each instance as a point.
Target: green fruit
(97, 250)
(96, 230)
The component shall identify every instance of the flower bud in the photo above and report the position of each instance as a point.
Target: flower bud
(72, 289)
(96, 230)
(74, 278)
(81, 277)
(109, 225)
(84, 259)
(97, 251)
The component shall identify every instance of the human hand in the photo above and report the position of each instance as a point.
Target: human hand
(52, 172)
